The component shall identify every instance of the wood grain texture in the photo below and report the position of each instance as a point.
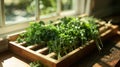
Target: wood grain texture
(65, 61)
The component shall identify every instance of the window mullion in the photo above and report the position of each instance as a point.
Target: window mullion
(82, 10)
(2, 14)
(88, 7)
(76, 6)
(37, 10)
(59, 6)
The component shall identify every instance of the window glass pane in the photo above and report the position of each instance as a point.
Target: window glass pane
(19, 10)
(47, 7)
(66, 5)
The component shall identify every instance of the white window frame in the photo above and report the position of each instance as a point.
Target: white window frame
(37, 11)
(88, 7)
(2, 16)
(78, 9)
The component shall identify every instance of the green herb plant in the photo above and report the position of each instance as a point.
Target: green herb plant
(69, 34)
(37, 64)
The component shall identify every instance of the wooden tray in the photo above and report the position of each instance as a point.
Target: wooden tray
(36, 52)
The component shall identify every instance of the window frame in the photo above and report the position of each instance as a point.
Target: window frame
(2, 14)
(78, 9)
(37, 10)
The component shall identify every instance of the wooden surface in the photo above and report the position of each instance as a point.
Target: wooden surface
(66, 60)
(8, 59)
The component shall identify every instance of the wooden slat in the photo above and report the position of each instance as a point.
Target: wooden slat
(101, 23)
(105, 33)
(32, 46)
(30, 54)
(42, 50)
(51, 54)
(103, 29)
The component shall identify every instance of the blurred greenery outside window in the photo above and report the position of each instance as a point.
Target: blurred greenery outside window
(48, 6)
(17, 11)
(24, 10)
(66, 5)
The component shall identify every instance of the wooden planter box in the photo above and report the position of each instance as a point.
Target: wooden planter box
(36, 52)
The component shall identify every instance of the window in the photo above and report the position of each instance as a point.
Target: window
(15, 13)
(47, 6)
(18, 11)
(66, 5)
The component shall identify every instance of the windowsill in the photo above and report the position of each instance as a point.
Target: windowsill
(9, 29)
(68, 13)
